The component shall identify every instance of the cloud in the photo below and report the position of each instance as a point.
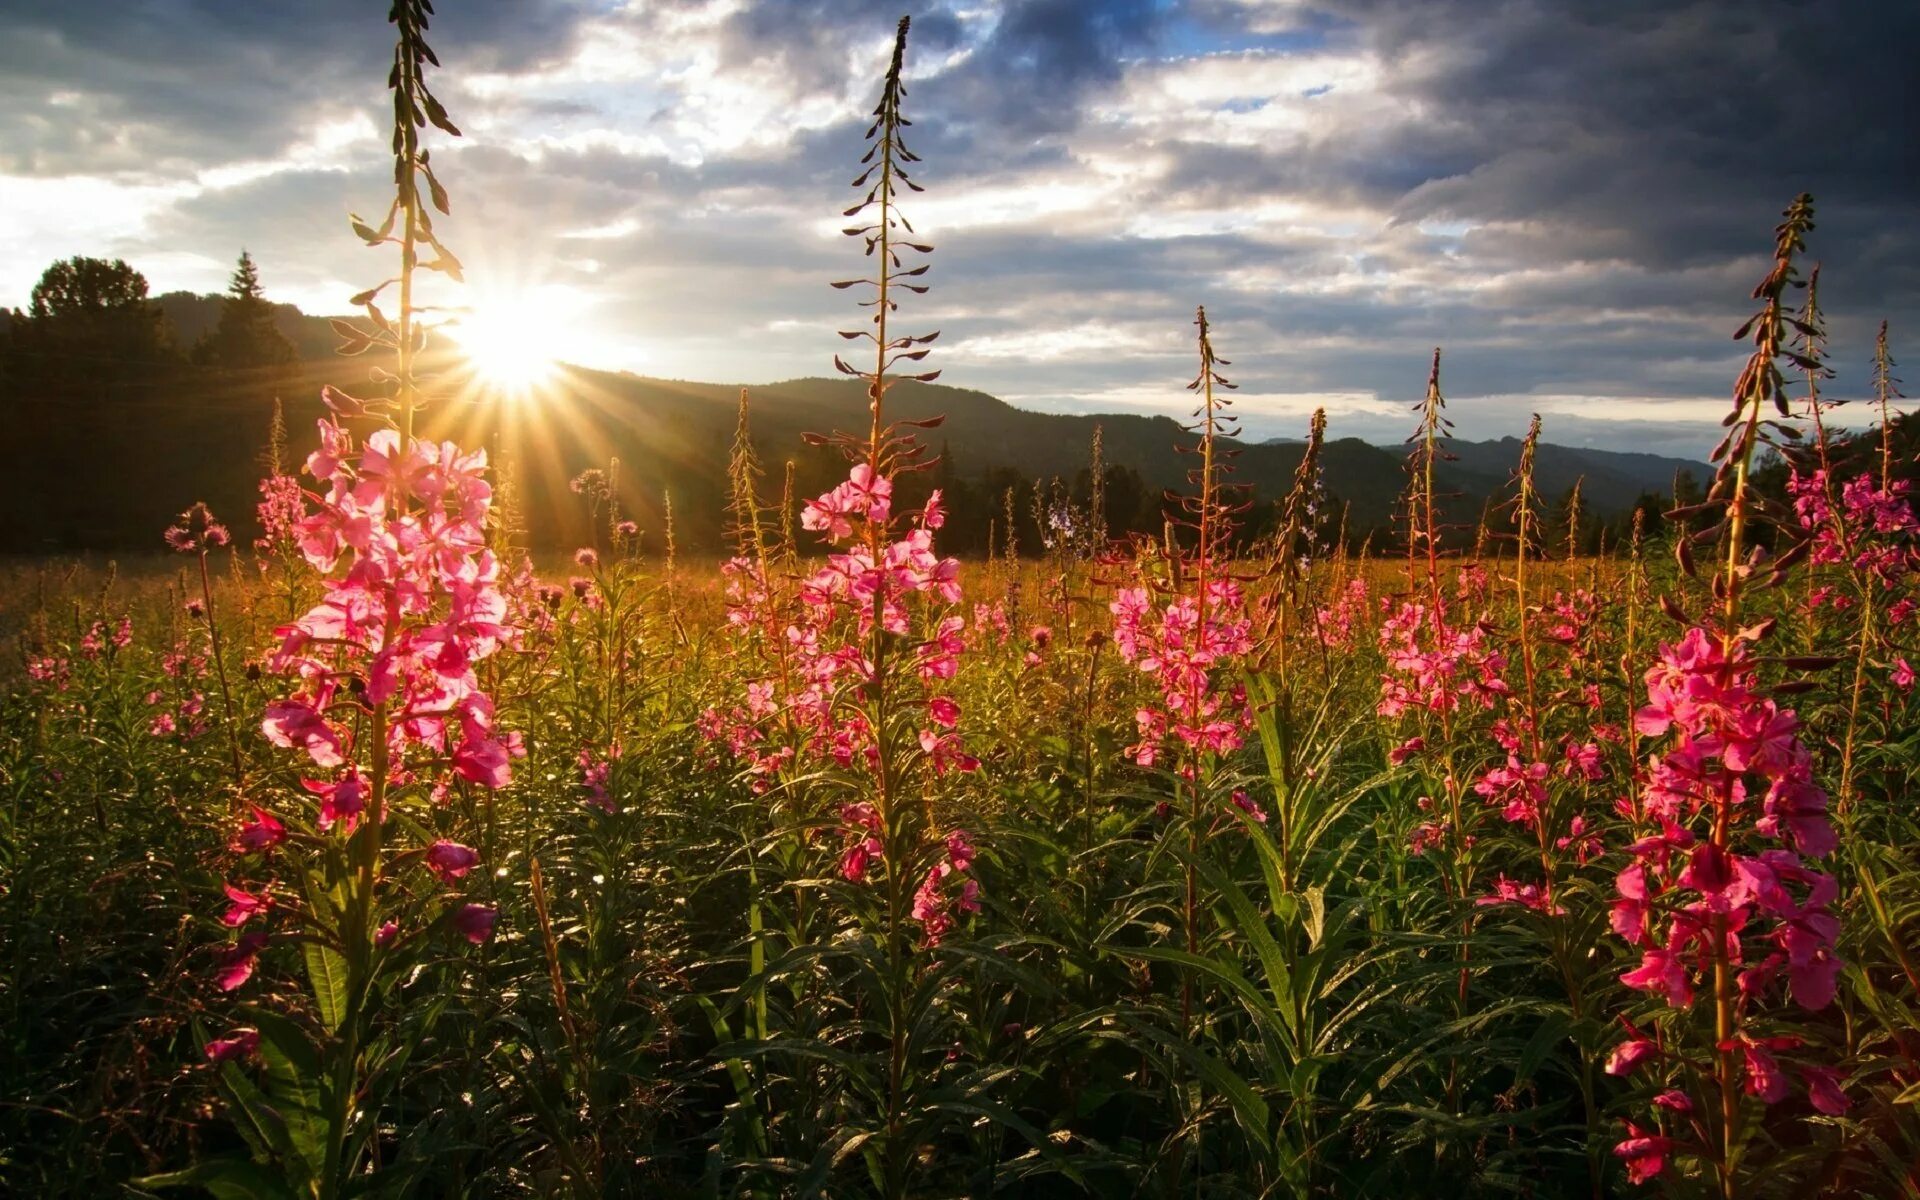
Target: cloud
(1572, 196)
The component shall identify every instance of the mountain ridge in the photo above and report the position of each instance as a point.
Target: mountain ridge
(200, 434)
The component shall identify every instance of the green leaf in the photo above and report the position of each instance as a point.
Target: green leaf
(225, 1178)
(327, 975)
(1249, 1110)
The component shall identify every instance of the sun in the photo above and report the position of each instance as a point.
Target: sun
(514, 341)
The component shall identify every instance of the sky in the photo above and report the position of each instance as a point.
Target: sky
(1574, 198)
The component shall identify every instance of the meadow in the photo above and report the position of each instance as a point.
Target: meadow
(349, 849)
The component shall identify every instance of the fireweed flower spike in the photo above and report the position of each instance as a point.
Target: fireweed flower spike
(1718, 896)
(381, 706)
(1188, 629)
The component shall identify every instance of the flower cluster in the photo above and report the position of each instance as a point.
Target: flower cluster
(1874, 530)
(379, 637)
(281, 505)
(1435, 667)
(818, 659)
(1339, 622)
(411, 603)
(596, 777)
(197, 531)
(934, 903)
(1183, 643)
(1691, 898)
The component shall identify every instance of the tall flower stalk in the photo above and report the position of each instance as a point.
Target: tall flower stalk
(1186, 629)
(1717, 895)
(881, 639)
(385, 713)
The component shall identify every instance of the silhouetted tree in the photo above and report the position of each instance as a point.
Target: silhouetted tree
(246, 337)
(89, 333)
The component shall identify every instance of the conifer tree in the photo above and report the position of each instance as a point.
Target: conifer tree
(246, 336)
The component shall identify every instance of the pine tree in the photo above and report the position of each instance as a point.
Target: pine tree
(246, 336)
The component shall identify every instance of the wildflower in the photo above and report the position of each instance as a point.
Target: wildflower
(1246, 804)
(1644, 1153)
(586, 557)
(475, 922)
(932, 904)
(1630, 1054)
(296, 723)
(944, 711)
(1662, 971)
(241, 1043)
(196, 530)
(596, 776)
(238, 960)
(450, 860)
(261, 834)
(1519, 788)
(1902, 675)
(1674, 1100)
(341, 801)
(1824, 1091)
(49, 669)
(1527, 895)
(243, 906)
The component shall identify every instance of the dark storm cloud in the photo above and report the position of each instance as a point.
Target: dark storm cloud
(1649, 117)
(809, 39)
(1042, 59)
(103, 86)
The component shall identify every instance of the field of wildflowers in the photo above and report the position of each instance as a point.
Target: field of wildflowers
(356, 855)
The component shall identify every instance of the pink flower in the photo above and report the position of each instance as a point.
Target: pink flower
(475, 922)
(244, 906)
(1824, 1091)
(1661, 971)
(1527, 895)
(296, 723)
(859, 857)
(1674, 1100)
(342, 801)
(1630, 1054)
(483, 761)
(261, 834)
(1245, 804)
(1644, 1153)
(386, 935)
(586, 557)
(450, 860)
(237, 961)
(1765, 1079)
(241, 1043)
(1902, 676)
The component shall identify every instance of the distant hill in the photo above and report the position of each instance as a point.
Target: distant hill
(192, 315)
(201, 434)
(1610, 480)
